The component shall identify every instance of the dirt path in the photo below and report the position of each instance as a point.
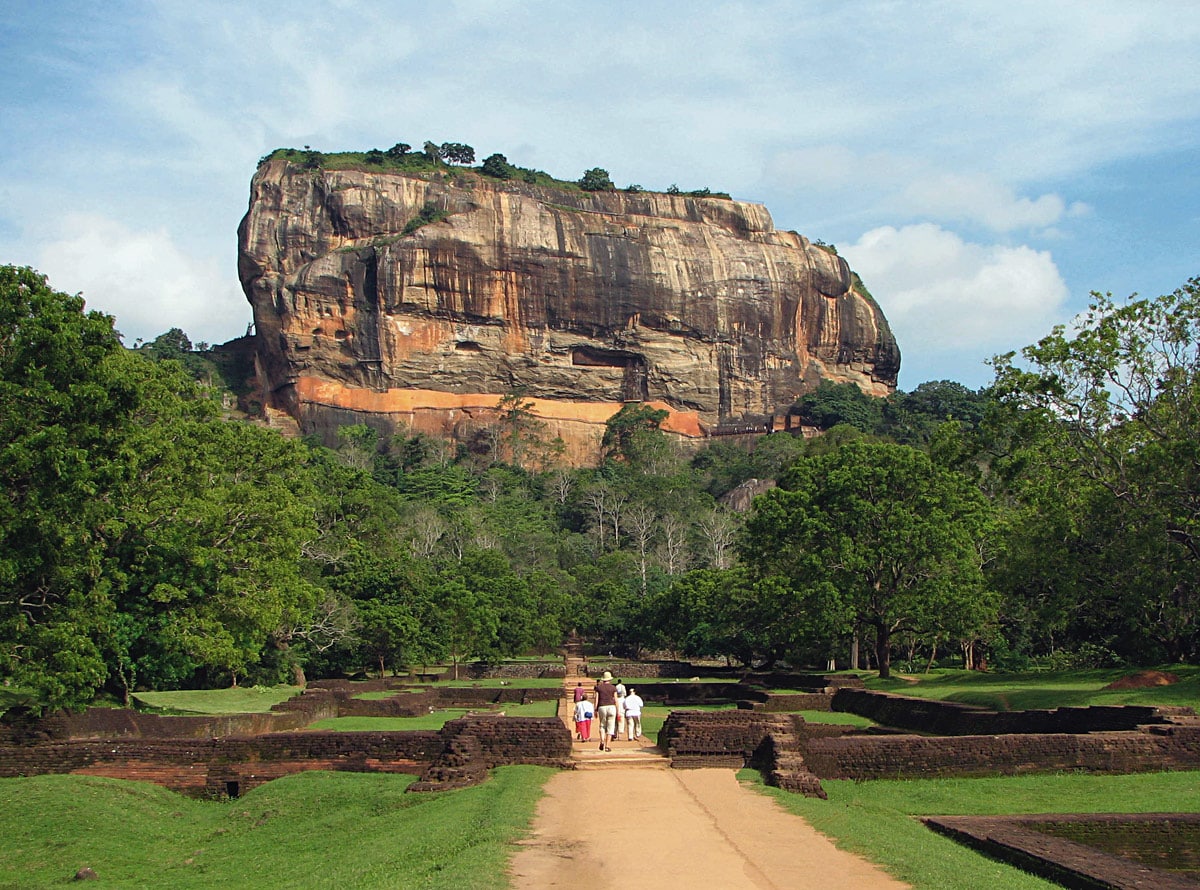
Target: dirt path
(626, 819)
(667, 828)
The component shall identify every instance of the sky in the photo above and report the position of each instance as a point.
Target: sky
(983, 166)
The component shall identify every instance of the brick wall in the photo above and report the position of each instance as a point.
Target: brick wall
(463, 751)
(318, 702)
(206, 765)
(718, 738)
(779, 702)
(951, 718)
(473, 745)
(518, 670)
(907, 756)
(769, 742)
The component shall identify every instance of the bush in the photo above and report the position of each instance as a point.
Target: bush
(497, 166)
(596, 180)
(430, 213)
(1085, 656)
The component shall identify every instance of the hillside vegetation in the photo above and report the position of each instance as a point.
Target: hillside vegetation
(449, 157)
(149, 542)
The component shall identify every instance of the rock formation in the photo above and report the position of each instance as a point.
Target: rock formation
(580, 300)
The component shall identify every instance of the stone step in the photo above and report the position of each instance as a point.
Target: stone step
(626, 761)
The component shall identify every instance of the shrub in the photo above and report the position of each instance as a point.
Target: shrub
(596, 180)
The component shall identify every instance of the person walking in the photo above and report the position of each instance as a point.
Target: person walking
(621, 693)
(580, 694)
(606, 710)
(633, 715)
(583, 719)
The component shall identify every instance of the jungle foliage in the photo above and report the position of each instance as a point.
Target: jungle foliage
(148, 541)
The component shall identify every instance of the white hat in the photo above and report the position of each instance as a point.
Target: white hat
(607, 677)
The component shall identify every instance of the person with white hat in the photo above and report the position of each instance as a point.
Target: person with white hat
(606, 710)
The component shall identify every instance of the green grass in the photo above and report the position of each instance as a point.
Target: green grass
(837, 718)
(237, 700)
(1021, 691)
(381, 694)
(350, 831)
(436, 720)
(532, 709)
(497, 683)
(877, 819)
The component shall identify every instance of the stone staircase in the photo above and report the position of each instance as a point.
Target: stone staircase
(587, 755)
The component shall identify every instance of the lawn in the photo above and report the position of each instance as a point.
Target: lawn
(435, 720)
(235, 700)
(351, 831)
(1021, 691)
(496, 683)
(878, 819)
(381, 694)
(837, 718)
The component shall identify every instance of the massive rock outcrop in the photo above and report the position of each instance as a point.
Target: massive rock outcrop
(580, 300)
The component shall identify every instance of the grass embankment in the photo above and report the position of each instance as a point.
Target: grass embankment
(434, 720)
(496, 683)
(237, 700)
(312, 830)
(878, 819)
(1022, 691)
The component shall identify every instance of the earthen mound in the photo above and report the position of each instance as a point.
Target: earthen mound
(1143, 680)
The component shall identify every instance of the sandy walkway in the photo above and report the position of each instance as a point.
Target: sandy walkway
(664, 828)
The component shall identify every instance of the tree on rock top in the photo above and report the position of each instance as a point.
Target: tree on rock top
(596, 180)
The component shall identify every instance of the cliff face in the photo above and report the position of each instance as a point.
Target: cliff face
(582, 300)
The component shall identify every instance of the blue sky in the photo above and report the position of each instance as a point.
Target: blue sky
(982, 165)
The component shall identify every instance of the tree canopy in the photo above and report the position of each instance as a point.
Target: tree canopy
(879, 526)
(146, 539)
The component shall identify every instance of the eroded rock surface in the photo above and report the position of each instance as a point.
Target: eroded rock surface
(582, 300)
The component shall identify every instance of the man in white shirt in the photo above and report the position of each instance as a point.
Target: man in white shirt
(621, 693)
(633, 715)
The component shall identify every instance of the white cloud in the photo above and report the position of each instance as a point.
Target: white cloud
(144, 279)
(981, 199)
(943, 295)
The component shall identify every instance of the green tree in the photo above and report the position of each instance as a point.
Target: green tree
(63, 408)
(912, 418)
(390, 596)
(832, 404)
(397, 151)
(1119, 404)
(457, 153)
(467, 621)
(172, 344)
(901, 539)
(632, 435)
(205, 547)
(496, 165)
(596, 180)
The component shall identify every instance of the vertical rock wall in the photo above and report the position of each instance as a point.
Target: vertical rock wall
(582, 300)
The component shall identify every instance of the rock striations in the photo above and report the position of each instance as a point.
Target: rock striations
(581, 301)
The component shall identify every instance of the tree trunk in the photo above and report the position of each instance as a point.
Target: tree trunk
(883, 651)
(855, 664)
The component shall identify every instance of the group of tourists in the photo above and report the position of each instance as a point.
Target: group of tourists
(617, 709)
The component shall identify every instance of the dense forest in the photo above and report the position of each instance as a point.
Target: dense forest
(151, 539)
